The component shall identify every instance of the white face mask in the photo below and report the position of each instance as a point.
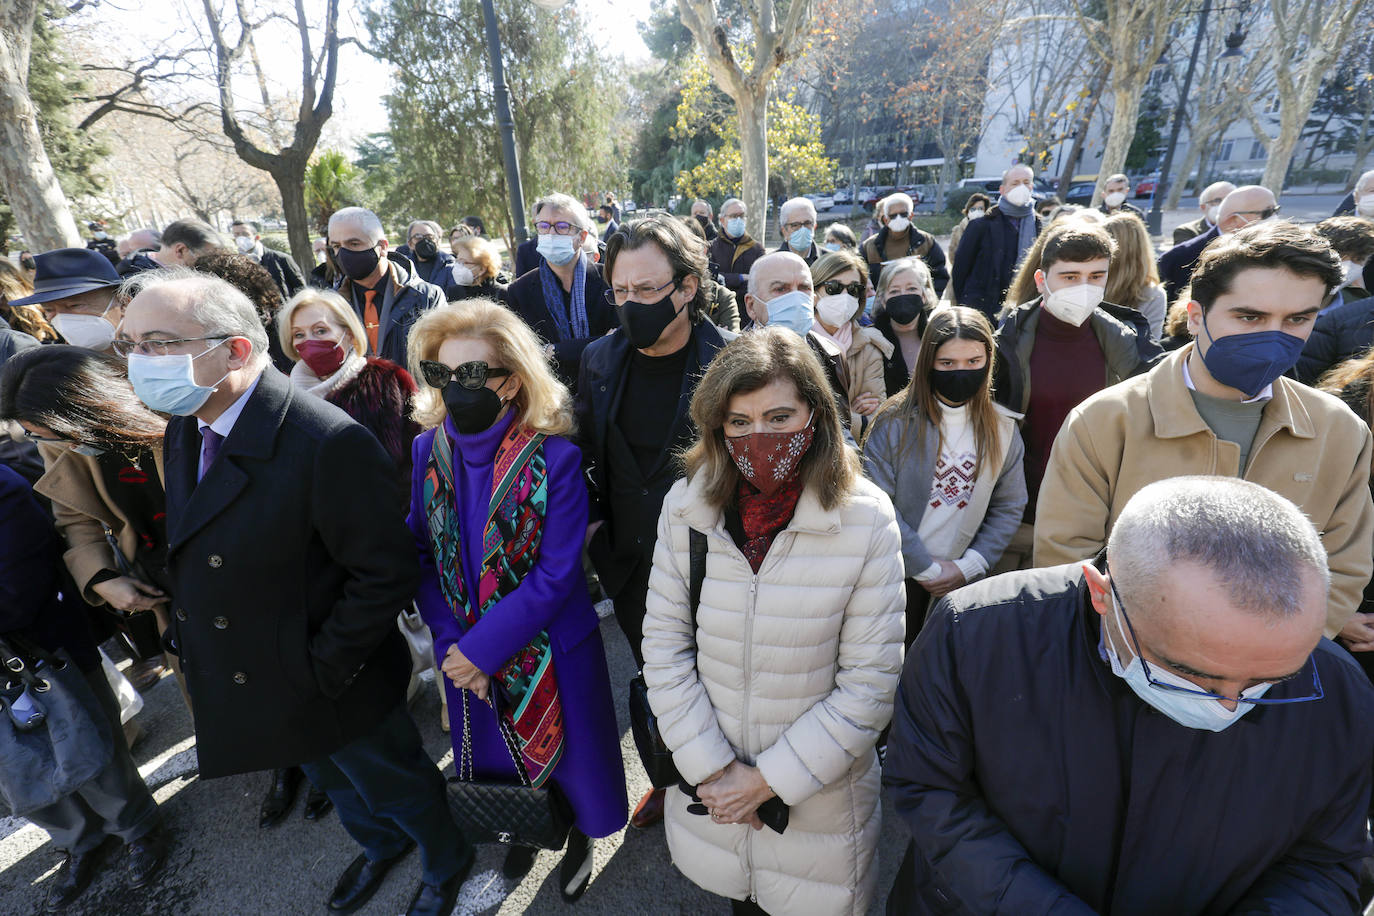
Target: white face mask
(245, 243)
(1364, 206)
(899, 224)
(1073, 304)
(1018, 196)
(462, 275)
(1212, 213)
(975, 214)
(836, 311)
(1114, 199)
(94, 332)
(1353, 273)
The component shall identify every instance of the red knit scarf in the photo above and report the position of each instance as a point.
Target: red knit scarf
(763, 516)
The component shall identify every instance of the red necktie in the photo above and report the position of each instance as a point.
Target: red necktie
(370, 319)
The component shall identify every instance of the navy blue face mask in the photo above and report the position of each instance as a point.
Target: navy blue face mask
(1250, 362)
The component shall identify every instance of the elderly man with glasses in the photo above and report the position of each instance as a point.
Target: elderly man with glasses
(797, 223)
(1243, 206)
(1162, 729)
(563, 297)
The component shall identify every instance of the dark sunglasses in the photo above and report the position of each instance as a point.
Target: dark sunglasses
(1258, 214)
(471, 375)
(835, 287)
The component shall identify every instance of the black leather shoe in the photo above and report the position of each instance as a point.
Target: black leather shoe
(317, 804)
(575, 873)
(519, 861)
(145, 856)
(281, 794)
(73, 877)
(439, 899)
(361, 879)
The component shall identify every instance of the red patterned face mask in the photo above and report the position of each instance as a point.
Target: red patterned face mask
(769, 460)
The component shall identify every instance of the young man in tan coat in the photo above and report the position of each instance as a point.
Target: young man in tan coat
(1220, 406)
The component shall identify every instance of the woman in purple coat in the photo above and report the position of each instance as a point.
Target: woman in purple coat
(499, 512)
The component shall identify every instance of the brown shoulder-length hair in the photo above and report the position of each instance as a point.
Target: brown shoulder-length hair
(81, 395)
(749, 362)
(1356, 369)
(916, 405)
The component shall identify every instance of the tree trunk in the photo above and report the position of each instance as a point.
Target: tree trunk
(290, 180)
(40, 208)
(753, 147)
(1080, 135)
(1125, 108)
(1190, 162)
(1291, 120)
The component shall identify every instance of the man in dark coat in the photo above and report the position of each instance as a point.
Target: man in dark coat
(432, 263)
(289, 556)
(632, 407)
(1243, 206)
(898, 238)
(1130, 735)
(1340, 334)
(101, 242)
(991, 247)
(283, 268)
(545, 296)
(382, 286)
(797, 223)
(734, 252)
(1210, 205)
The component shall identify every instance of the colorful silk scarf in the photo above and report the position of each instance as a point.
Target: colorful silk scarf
(510, 548)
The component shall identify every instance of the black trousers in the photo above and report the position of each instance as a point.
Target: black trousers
(746, 908)
(629, 609)
(918, 605)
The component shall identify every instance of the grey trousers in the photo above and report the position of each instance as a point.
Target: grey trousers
(115, 803)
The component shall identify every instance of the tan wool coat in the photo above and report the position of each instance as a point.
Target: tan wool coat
(1310, 448)
(791, 670)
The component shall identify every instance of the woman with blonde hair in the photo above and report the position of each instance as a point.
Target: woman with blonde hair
(502, 588)
(17, 284)
(950, 458)
(476, 269)
(771, 691)
(1134, 278)
(840, 283)
(903, 302)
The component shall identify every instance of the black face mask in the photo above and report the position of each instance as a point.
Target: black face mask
(958, 385)
(906, 308)
(471, 411)
(357, 265)
(646, 322)
(426, 249)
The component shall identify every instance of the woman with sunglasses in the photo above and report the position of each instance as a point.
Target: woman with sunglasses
(840, 283)
(502, 583)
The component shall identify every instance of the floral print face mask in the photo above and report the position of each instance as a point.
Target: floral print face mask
(769, 460)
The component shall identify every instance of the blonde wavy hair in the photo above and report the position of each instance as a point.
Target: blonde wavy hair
(542, 403)
(338, 308)
(483, 251)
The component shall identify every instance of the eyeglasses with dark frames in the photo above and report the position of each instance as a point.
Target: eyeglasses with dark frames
(641, 293)
(1317, 692)
(471, 375)
(544, 227)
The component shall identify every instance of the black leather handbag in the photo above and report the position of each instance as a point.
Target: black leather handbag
(653, 753)
(498, 812)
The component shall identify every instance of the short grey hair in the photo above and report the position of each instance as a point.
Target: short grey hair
(361, 217)
(725, 204)
(893, 269)
(704, 203)
(1256, 542)
(145, 238)
(1019, 165)
(216, 306)
(428, 223)
(1366, 182)
(898, 198)
(568, 203)
(1119, 176)
(790, 205)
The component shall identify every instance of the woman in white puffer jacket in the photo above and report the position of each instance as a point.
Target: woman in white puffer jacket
(787, 678)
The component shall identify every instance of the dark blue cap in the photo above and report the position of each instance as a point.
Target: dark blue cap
(67, 272)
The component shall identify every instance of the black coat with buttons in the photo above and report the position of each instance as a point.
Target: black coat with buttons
(289, 562)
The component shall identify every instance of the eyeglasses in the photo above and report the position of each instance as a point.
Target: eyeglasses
(835, 287)
(123, 347)
(544, 227)
(1253, 215)
(805, 224)
(471, 375)
(901, 213)
(1317, 692)
(416, 238)
(641, 293)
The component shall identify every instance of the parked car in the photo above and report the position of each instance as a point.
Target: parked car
(843, 196)
(627, 206)
(1146, 186)
(911, 191)
(821, 202)
(1081, 193)
(874, 195)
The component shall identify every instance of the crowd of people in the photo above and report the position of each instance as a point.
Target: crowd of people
(1015, 534)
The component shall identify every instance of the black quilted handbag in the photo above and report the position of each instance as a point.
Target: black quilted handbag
(498, 812)
(653, 753)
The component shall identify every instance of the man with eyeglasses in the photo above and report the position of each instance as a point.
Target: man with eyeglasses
(76, 288)
(900, 239)
(633, 410)
(797, 223)
(1161, 729)
(733, 252)
(563, 298)
(431, 262)
(289, 555)
(385, 292)
(1222, 405)
(1210, 205)
(1243, 206)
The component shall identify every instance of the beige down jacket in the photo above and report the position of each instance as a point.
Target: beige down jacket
(795, 675)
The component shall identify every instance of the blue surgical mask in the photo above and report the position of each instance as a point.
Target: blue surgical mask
(167, 384)
(794, 311)
(1250, 362)
(801, 239)
(1190, 711)
(558, 250)
(735, 227)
